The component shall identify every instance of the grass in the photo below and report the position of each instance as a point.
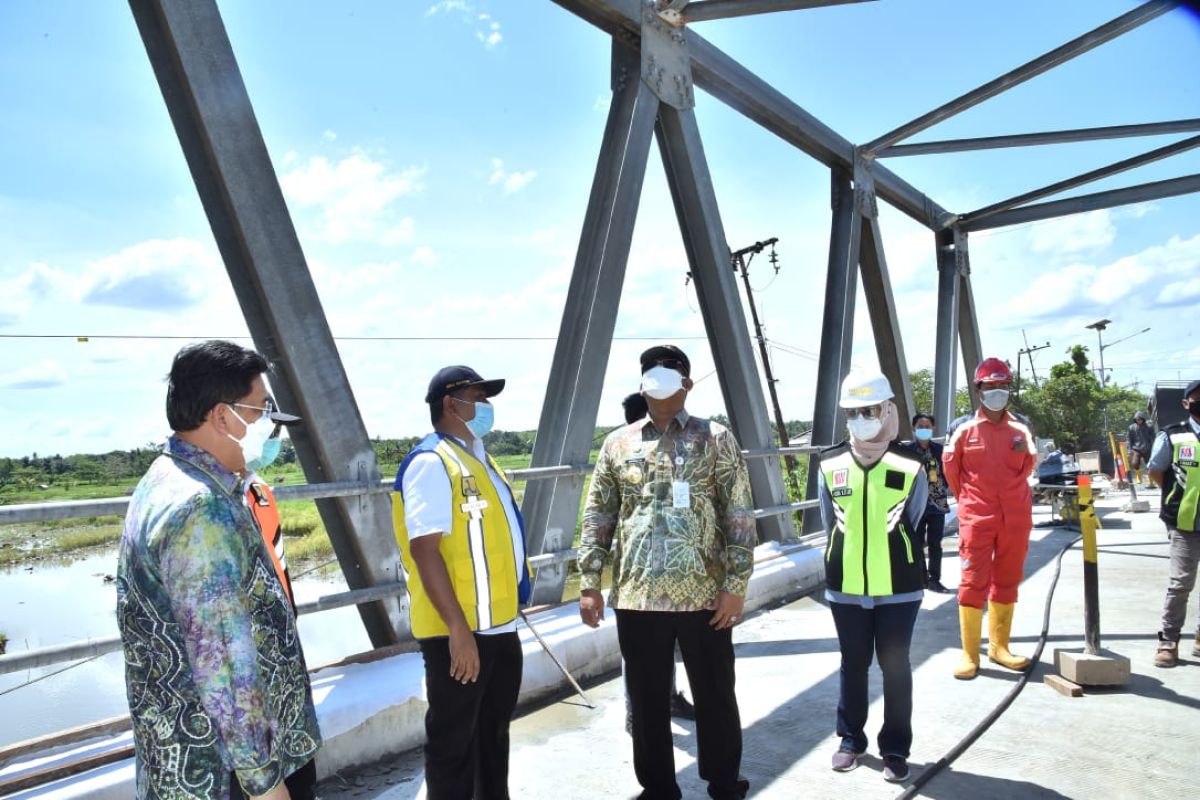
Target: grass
(305, 535)
(60, 538)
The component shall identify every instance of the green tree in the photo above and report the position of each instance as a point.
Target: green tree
(1074, 410)
(921, 382)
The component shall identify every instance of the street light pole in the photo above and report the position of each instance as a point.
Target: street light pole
(1099, 328)
(1118, 341)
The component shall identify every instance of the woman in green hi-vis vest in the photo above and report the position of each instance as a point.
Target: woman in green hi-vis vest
(873, 492)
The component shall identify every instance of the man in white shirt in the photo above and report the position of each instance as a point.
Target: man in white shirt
(462, 542)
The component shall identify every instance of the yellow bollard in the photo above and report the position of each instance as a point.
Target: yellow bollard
(1088, 523)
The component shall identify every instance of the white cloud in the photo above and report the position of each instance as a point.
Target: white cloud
(18, 295)
(1144, 279)
(1118, 279)
(446, 6)
(424, 257)
(511, 182)
(1179, 293)
(400, 233)
(156, 275)
(45, 374)
(910, 257)
(1074, 234)
(487, 29)
(1138, 210)
(329, 136)
(538, 238)
(353, 198)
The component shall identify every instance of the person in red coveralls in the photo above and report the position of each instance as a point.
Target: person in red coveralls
(987, 463)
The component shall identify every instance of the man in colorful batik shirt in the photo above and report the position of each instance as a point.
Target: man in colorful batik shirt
(217, 685)
(670, 502)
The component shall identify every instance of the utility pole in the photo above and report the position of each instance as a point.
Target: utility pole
(741, 264)
(1029, 351)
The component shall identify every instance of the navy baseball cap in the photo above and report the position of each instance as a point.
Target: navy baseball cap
(451, 379)
(669, 356)
(1191, 387)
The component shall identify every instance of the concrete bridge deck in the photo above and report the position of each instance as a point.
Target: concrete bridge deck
(1139, 741)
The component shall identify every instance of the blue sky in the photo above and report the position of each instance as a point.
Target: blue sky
(437, 158)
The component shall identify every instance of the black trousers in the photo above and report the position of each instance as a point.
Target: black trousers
(466, 726)
(648, 646)
(301, 784)
(928, 537)
(884, 632)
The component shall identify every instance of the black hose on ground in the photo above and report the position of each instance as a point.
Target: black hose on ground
(929, 774)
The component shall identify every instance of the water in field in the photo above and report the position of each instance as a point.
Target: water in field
(61, 603)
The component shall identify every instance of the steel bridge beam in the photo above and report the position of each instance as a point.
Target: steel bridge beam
(1156, 190)
(576, 380)
(742, 90)
(1048, 137)
(724, 321)
(1134, 162)
(945, 369)
(703, 10)
(881, 305)
(837, 326)
(1078, 46)
(214, 120)
(968, 320)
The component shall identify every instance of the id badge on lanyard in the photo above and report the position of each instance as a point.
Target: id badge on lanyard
(681, 490)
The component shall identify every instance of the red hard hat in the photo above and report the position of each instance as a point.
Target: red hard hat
(993, 370)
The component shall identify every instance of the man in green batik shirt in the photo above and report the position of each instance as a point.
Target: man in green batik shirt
(670, 501)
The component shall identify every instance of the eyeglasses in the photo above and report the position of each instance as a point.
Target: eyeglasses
(267, 408)
(869, 412)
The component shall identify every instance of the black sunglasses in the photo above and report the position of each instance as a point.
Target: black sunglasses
(869, 412)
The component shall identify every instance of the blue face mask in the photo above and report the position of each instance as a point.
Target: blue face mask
(923, 434)
(481, 424)
(270, 452)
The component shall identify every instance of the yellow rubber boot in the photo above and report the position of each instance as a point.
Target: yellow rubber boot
(1000, 617)
(970, 623)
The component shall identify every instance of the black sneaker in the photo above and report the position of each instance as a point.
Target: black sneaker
(681, 708)
(895, 769)
(935, 585)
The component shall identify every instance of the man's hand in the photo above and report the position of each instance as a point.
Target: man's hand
(727, 610)
(280, 792)
(591, 607)
(464, 655)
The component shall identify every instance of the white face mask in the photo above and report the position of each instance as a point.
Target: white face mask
(864, 429)
(255, 438)
(995, 399)
(660, 382)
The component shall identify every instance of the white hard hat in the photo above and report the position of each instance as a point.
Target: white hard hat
(861, 389)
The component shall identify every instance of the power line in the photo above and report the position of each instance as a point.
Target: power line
(151, 337)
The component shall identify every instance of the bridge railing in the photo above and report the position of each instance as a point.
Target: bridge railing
(117, 506)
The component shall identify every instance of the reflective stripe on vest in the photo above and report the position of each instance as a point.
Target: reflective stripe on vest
(1181, 489)
(869, 537)
(478, 550)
